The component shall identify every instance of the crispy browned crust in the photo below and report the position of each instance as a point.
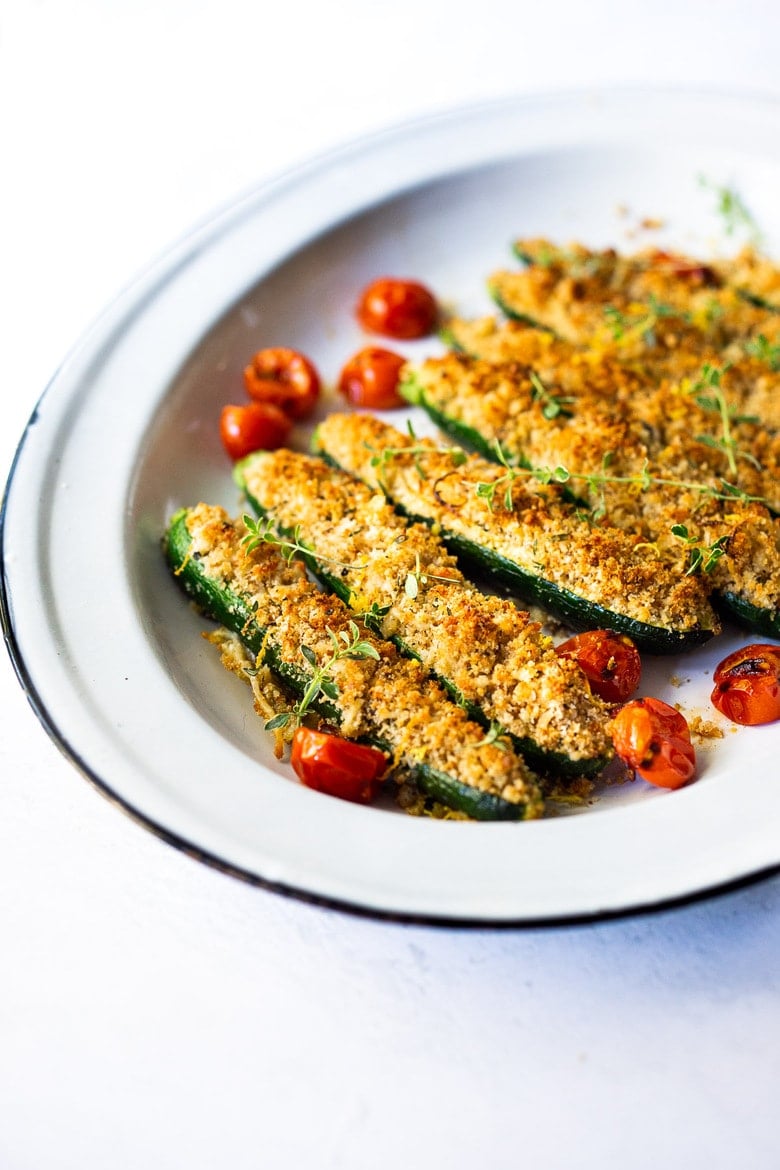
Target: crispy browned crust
(389, 698)
(657, 381)
(492, 652)
(567, 290)
(539, 532)
(496, 401)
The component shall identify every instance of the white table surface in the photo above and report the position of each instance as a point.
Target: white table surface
(154, 1013)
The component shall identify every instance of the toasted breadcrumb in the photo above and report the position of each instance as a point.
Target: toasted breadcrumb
(388, 699)
(488, 650)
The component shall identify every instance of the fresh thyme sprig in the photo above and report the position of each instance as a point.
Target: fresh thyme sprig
(627, 328)
(709, 395)
(764, 351)
(263, 531)
(345, 645)
(596, 481)
(701, 558)
(496, 736)
(387, 454)
(553, 405)
(733, 211)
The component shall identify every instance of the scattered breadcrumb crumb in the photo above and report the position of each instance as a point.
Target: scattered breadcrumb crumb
(704, 729)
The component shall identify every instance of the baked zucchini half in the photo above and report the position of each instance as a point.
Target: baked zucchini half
(569, 289)
(377, 698)
(488, 655)
(652, 502)
(588, 577)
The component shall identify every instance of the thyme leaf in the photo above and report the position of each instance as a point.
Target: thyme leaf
(701, 558)
(764, 351)
(345, 645)
(553, 405)
(733, 210)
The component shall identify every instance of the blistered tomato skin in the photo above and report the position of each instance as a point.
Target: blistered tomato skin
(609, 661)
(256, 426)
(747, 685)
(370, 379)
(654, 739)
(402, 309)
(336, 766)
(285, 378)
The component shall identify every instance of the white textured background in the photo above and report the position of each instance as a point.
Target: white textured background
(156, 1014)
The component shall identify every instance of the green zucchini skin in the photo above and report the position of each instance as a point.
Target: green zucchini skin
(515, 315)
(235, 612)
(760, 621)
(758, 301)
(575, 611)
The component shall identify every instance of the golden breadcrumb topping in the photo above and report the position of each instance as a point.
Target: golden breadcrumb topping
(538, 532)
(389, 699)
(489, 651)
(643, 487)
(573, 290)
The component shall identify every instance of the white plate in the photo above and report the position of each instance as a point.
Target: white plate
(111, 654)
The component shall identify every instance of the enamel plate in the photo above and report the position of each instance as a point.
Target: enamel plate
(104, 641)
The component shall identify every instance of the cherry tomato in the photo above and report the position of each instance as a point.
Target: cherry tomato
(370, 378)
(284, 377)
(685, 269)
(747, 685)
(655, 740)
(249, 428)
(609, 661)
(397, 308)
(336, 766)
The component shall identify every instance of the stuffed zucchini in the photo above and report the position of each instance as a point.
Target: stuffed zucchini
(589, 577)
(376, 697)
(489, 656)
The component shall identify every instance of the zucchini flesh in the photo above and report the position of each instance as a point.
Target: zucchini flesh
(488, 630)
(237, 611)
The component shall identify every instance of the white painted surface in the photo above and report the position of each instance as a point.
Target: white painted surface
(156, 1013)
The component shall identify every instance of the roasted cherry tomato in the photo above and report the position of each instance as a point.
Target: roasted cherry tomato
(609, 661)
(685, 268)
(249, 428)
(397, 308)
(655, 741)
(370, 379)
(747, 685)
(337, 766)
(284, 377)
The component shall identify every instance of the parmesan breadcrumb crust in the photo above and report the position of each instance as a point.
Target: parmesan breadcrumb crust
(389, 699)
(490, 652)
(499, 402)
(538, 532)
(568, 290)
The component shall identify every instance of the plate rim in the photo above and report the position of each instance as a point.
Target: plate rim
(131, 298)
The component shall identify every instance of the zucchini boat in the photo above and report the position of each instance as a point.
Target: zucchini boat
(731, 536)
(680, 394)
(490, 657)
(574, 291)
(378, 698)
(754, 277)
(587, 576)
